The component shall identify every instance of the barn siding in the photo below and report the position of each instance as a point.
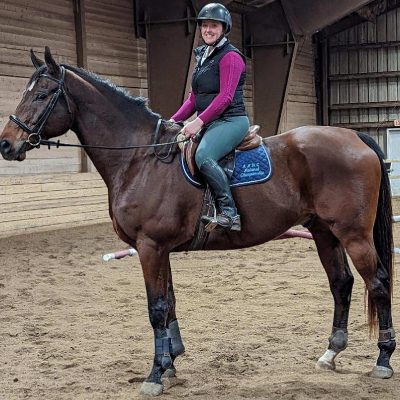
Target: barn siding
(45, 202)
(364, 70)
(24, 25)
(45, 191)
(113, 51)
(300, 106)
(236, 39)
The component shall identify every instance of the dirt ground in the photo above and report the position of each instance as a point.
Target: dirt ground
(254, 323)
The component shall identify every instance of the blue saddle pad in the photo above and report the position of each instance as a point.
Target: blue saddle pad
(250, 167)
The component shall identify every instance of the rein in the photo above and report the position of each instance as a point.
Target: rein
(34, 134)
(154, 145)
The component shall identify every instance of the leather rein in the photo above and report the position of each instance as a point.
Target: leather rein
(34, 134)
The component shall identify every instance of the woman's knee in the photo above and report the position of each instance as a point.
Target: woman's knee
(200, 157)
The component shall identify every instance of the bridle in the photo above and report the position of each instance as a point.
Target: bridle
(34, 134)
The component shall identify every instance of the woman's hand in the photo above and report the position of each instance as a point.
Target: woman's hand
(191, 128)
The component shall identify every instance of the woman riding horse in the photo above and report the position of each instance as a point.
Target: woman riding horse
(333, 180)
(217, 96)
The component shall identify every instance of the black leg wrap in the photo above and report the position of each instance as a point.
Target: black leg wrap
(386, 351)
(387, 345)
(338, 339)
(162, 352)
(174, 334)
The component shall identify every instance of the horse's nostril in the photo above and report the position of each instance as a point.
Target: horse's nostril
(5, 147)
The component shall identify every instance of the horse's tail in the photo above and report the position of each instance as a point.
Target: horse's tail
(383, 231)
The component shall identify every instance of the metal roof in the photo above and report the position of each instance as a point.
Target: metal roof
(306, 16)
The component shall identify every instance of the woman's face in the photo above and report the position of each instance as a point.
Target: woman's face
(211, 31)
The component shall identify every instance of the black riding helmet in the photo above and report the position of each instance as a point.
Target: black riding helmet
(216, 12)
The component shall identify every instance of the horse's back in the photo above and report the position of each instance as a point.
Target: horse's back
(328, 150)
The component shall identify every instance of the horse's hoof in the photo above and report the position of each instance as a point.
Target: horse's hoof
(325, 365)
(151, 389)
(381, 372)
(169, 373)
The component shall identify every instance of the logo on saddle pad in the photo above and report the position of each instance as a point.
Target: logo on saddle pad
(251, 169)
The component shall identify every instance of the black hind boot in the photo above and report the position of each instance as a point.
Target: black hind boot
(227, 217)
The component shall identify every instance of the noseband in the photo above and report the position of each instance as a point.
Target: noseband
(34, 133)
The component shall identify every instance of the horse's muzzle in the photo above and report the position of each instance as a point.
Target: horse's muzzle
(5, 147)
(6, 150)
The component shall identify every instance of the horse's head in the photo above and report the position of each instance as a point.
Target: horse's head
(44, 111)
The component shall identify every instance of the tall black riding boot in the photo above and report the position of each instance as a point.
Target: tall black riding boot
(219, 184)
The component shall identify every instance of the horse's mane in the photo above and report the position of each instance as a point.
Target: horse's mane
(123, 95)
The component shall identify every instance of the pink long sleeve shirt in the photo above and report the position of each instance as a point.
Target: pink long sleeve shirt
(231, 67)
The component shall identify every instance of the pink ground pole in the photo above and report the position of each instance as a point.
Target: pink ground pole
(130, 252)
(295, 233)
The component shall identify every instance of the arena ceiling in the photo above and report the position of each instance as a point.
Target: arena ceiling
(304, 16)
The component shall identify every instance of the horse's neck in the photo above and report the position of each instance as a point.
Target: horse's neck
(99, 122)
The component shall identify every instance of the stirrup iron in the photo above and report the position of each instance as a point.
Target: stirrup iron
(210, 226)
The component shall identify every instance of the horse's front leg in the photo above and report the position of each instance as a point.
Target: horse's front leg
(173, 330)
(155, 265)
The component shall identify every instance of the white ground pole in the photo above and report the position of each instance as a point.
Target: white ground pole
(396, 218)
(393, 175)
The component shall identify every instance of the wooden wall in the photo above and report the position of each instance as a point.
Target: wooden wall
(113, 51)
(24, 25)
(236, 38)
(46, 191)
(44, 202)
(300, 107)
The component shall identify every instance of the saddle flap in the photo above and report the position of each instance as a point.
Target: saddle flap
(190, 151)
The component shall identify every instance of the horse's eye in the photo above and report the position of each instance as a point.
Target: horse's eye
(40, 96)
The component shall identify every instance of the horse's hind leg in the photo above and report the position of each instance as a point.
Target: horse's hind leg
(333, 258)
(173, 331)
(377, 278)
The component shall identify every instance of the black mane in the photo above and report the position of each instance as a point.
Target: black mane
(123, 94)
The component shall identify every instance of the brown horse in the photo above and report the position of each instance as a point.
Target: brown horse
(331, 180)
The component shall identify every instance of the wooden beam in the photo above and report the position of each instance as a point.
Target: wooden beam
(191, 65)
(370, 75)
(365, 125)
(80, 31)
(362, 46)
(325, 83)
(81, 53)
(286, 90)
(386, 104)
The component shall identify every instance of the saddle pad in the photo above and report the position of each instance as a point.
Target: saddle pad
(250, 167)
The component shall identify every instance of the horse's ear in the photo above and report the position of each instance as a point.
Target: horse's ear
(52, 67)
(37, 63)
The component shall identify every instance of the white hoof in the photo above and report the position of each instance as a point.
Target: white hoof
(169, 373)
(327, 361)
(325, 365)
(151, 389)
(381, 372)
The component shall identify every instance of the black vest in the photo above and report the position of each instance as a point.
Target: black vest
(205, 81)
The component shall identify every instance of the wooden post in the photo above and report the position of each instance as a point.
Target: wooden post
(282, 124)
(81, 53)
(325, 83)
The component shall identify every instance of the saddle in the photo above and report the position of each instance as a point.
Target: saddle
(250, 141)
